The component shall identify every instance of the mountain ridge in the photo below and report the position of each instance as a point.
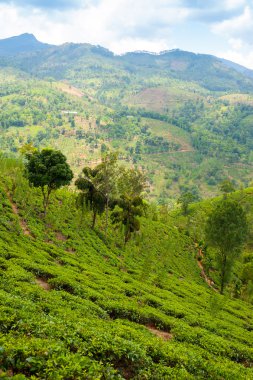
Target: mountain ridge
(22, 43)
(28, 43)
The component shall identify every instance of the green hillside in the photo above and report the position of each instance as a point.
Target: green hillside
(195, 224)
(184, 119)
(75, 305)
(181, 135)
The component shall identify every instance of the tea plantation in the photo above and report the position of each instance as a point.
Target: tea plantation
(74, 305)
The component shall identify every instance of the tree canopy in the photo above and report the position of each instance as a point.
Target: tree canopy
(226, 230)
(49, 170)
(90, 196)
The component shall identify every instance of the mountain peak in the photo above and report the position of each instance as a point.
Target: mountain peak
(23, 43)
(28, 36)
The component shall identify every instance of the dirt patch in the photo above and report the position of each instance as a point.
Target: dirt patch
(42, 283)
(208, 280)
(58, 262)
(159, 333)
(60, 236)
(71, 250)
(126, 368)
(71, 90)
(15, 211)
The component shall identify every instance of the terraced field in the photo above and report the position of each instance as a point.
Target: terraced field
(74, 305)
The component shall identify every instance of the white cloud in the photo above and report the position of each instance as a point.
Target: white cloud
(238, 27)
(245, 59)
(239, 34)
(124, 25)
(118, 25)
(236, 43)
(234, 4)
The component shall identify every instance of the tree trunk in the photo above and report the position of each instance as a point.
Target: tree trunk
(106, 216)
(46, 196)
(44, 200)
(127, 236)
(94, 219)
(223, 273)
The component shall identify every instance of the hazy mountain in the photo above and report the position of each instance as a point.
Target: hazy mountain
(24, 43)
(45, 60)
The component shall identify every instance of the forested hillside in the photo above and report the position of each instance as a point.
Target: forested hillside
(78, 303)
(189, 115)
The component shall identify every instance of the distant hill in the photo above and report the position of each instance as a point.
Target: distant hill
(24, 43)
(41, 59)
(209, 71)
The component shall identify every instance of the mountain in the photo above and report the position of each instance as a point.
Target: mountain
(41, 59)
(24, 43)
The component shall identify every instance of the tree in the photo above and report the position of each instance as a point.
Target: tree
(27, 149)
(106, 180)
(131, 182)
(48, 170)
(226, 187)
(185, 200)
(90, 195)
(226, 230)
(126, 212)
(130, 204)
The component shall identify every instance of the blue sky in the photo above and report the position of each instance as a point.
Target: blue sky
(220, 27)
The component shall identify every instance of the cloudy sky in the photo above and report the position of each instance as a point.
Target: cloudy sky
(220, 27)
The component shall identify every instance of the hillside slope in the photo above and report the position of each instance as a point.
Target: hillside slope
(181, 135)
(185, 119)
(41, 59)
(194, 222)
(74, 306)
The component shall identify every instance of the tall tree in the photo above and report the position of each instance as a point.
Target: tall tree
(226, 187)
(126, 212)
(129, 204)
(226, 230)
(90, 196)
(185, 200)
(49, 170)
(106, 180)
(131, 182)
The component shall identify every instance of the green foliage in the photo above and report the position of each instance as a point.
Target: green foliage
(121, 103)
(185, 200)
(73, 306)
(226, 230)
(48, 170)
(90, 196)
(227, 187)
(126, 212)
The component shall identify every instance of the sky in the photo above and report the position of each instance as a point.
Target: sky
(220, 27)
